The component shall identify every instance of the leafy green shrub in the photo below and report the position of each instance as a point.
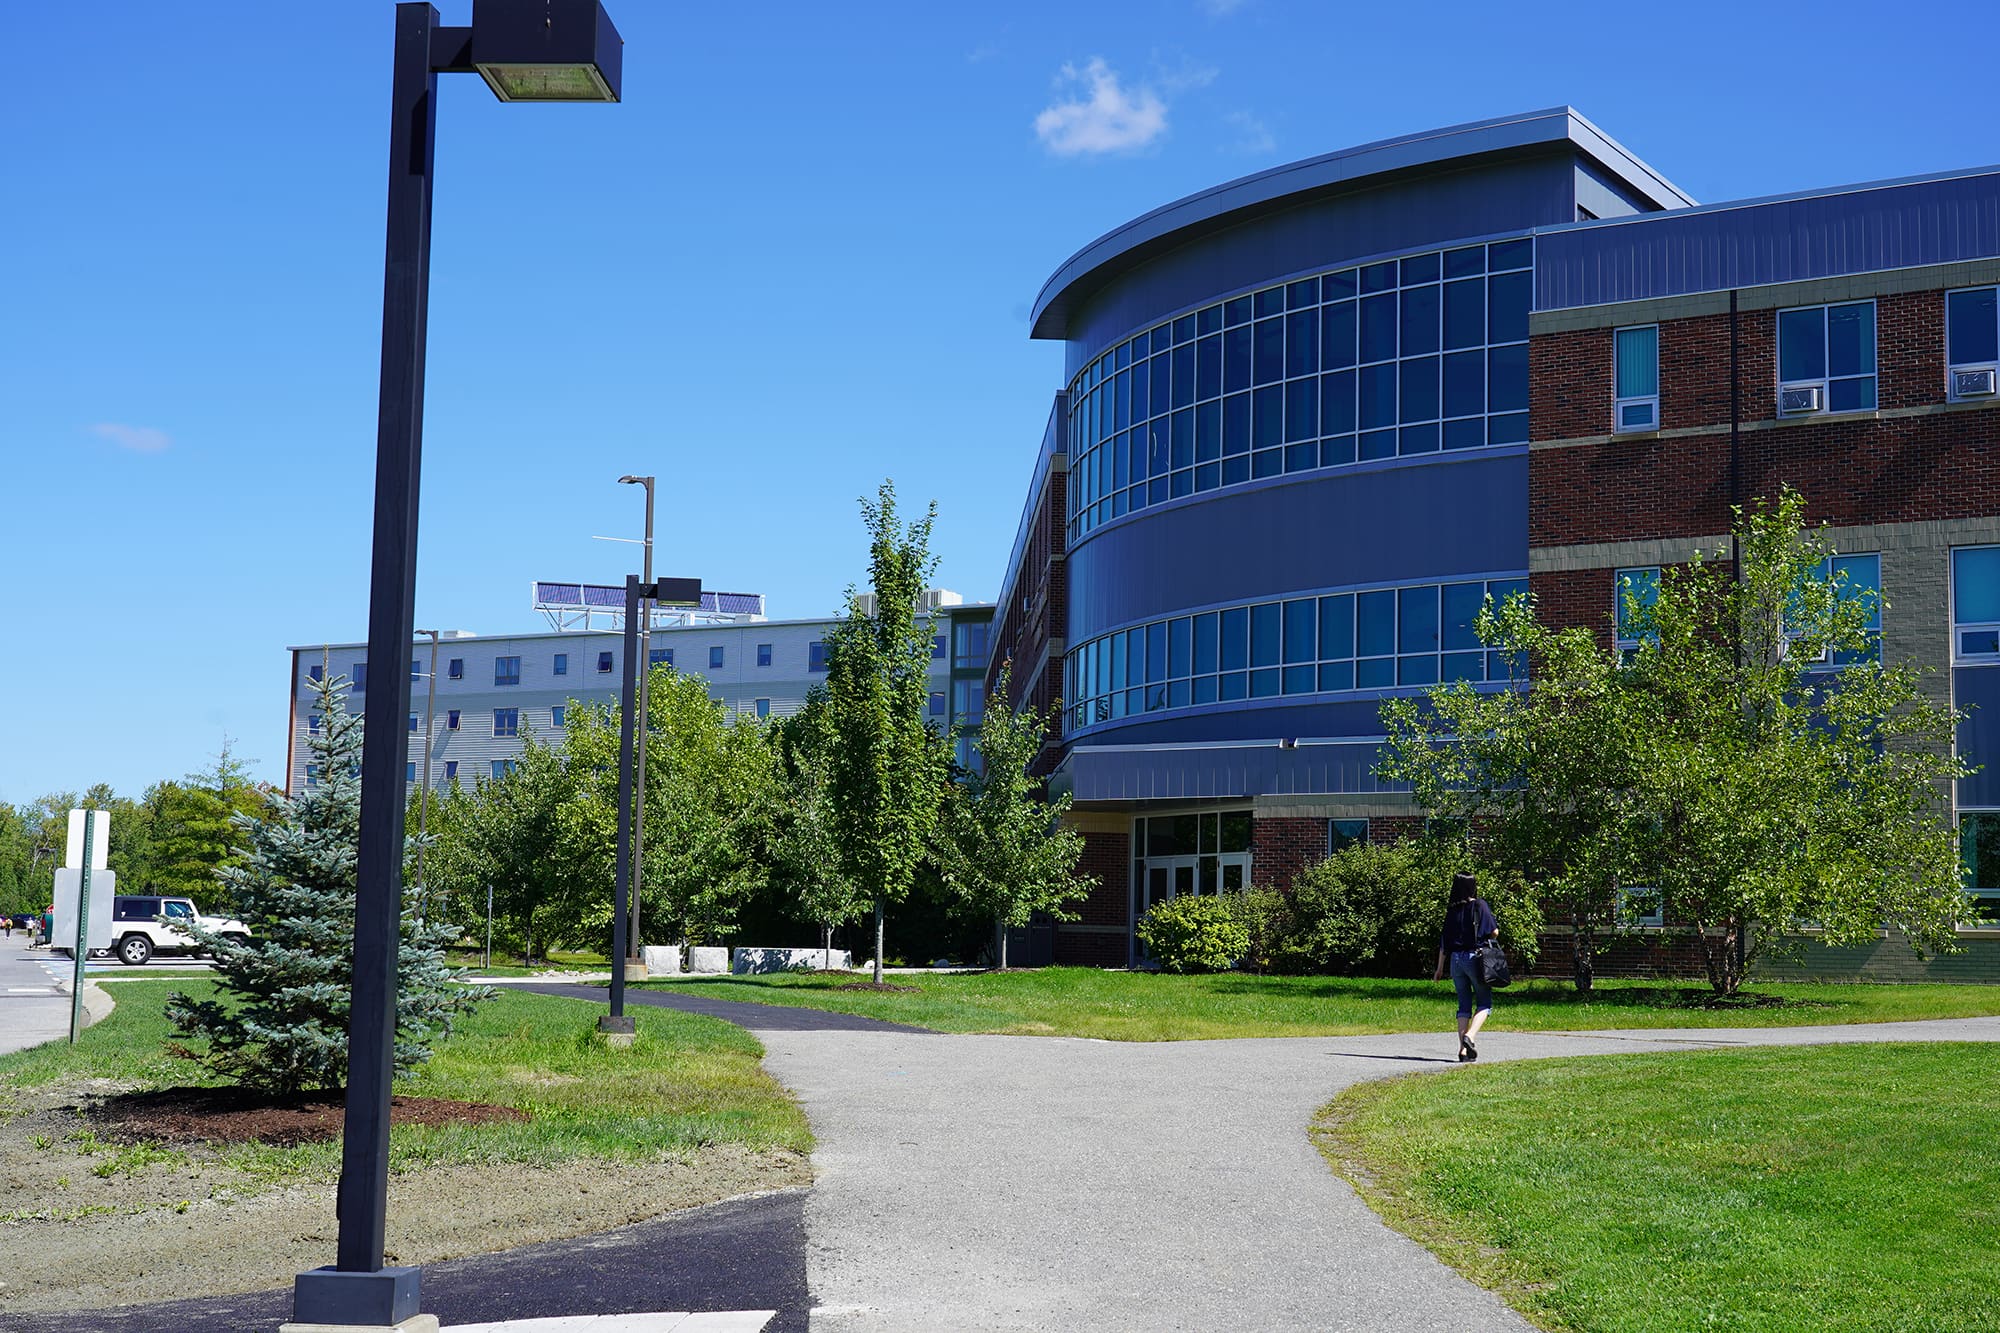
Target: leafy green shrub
(1195, 933)
(1377, 910)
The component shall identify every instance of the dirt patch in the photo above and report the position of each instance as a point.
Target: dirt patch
(86, 1222)
(239, 1115)
(874, 985)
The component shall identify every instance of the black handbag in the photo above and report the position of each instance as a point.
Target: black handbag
(1493, 966)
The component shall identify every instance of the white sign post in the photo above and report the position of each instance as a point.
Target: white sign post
(84, 827)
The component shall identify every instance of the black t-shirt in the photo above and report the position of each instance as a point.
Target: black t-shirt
(1466, 925)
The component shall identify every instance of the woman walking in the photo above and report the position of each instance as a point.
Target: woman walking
(1468, 924)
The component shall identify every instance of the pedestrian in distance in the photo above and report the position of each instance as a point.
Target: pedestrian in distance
(1468, 927)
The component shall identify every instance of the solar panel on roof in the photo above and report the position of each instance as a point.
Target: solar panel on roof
(559, 594)
(598, 594)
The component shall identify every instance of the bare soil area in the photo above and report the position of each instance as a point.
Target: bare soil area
(239, 1115)
(95, 1215)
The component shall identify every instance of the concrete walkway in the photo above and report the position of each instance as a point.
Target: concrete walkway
(973, 1182)
(33, 1008)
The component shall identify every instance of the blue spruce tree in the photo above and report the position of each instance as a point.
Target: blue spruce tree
(278, 1019)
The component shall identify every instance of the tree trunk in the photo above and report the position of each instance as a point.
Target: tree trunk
(1001, 927)
(878, 941)
(826, 948)
(1583, 952)
(1718, 956)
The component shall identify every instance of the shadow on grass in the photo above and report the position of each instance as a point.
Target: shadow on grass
(1541, 993)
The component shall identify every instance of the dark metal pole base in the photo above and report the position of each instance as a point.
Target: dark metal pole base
(329, 1296)
(618, 1030)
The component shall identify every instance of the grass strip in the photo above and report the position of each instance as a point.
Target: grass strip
(1141, 1006)
(1800, 1188)
(685, 1083)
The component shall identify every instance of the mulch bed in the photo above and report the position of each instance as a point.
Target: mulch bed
(240, 1115)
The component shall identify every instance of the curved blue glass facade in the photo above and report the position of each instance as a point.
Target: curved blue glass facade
(1400, 357)
(1296, 431)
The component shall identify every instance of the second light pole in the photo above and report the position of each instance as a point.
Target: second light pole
(636, 964)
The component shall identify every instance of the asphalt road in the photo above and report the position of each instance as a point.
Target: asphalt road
(745, 1254)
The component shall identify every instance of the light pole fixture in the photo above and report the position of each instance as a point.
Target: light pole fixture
(544, 50)
(635, 963)
(674, 592)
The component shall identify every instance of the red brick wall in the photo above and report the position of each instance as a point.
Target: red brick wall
(1092, 948)
(1673, 954)
(1851, 471)
(1108, 856)
(1280, 848)
(1569, 597)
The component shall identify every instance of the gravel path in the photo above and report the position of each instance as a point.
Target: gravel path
(1056, 1183)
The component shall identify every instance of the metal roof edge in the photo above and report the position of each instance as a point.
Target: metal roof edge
(1794, 196)
(1348, 167)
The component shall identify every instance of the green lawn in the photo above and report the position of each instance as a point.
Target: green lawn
(1805, 1188)
(1140, 1006)
(688, 1081)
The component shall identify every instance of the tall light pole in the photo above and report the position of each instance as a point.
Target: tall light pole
(526, 50)
(636, 963)
(424, 797)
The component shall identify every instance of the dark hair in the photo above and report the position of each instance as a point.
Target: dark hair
(1463, 888)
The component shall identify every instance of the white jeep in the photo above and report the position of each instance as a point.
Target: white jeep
(143, 925)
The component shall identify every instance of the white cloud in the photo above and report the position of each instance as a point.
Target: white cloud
(139, 439)
(1099, 115)
(1252, 135)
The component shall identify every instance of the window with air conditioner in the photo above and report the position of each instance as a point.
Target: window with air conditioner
(1636, 369)
(1972, 344)
(1826, 359)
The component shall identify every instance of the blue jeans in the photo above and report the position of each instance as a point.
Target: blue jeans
(1469, 982)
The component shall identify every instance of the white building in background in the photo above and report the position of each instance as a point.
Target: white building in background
(494, 691)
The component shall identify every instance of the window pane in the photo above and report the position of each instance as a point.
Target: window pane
(1236, 358)
(1301, 630)
(1208, 367)
(1160, 397)
(1507, 307)
(1802, 344)
(1208, 432)
(1177, 648)
(1861, 580)
(1156, 652)
(1269, 357)
(1638, 360)
(1850, 339)
(1301, 409)
(1264, 684)
(1336, 626)
(1972, 330)
(1417, 628)
(1181, 438)
(1264, 634)
(1419, 321)
(1464, 314)
(1373, 673)
(1204, 644)
(1852, 395)
(1378, 277)
(1183, 363)
(1459, 263)
(1634, 589)
(1336, 331)
(1336, 676)
(1378, 395)
(1375, 623)
(1236, 424)
(1975, 584)
(1507, 379)
(1234, 629)
(1464, 384)
(1267, 418)
(1378, 328)
(1302, 342)
(1419, 380)
(1336, 402)
(1461, 607)
(1979, 847)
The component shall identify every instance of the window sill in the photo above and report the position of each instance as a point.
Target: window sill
(1808, 418)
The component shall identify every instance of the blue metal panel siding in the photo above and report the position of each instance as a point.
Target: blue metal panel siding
(1978, 689)
(1784, 240)
(1224, 772)
(1403, 524)
(1409, 215)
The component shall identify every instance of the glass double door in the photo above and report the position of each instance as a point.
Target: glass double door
(1168, 877)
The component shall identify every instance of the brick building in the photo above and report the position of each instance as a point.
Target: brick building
(1311, 418)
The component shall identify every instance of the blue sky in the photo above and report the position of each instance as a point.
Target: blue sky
(796, 260)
